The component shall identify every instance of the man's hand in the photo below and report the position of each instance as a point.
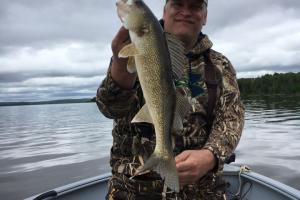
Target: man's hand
(120, 40)
(119, 71)
(193, 164)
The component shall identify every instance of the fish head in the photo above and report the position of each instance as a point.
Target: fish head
(133, 15)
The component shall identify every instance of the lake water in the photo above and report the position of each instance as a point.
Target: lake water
(45, 146)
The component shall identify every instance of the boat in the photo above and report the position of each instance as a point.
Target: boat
(242, 184)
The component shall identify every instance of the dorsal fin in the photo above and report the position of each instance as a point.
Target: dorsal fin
(176, 50)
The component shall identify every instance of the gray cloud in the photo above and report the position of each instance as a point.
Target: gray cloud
(17, 77)
(56, 49)
(227, 13)
(50, 88)
(257, 35)
(42, 24)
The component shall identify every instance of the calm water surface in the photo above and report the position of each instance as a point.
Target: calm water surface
(271, 139)
(39, 136)
(35, 138)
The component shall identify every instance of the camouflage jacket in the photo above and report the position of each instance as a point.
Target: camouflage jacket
(134, 143)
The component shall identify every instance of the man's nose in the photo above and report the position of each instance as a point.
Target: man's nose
(185, 10)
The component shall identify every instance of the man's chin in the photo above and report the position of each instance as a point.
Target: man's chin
(182, 34)
(183, 30)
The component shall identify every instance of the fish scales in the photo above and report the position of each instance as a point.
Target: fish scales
(154, 68)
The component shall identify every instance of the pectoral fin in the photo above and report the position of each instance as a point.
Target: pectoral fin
(131, 65)
(128, 50)
(177, 123)
(183, 106)
(142, 116)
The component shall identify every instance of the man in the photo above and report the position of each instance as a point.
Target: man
(212, 128)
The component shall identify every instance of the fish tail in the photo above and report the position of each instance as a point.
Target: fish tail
(165, 166)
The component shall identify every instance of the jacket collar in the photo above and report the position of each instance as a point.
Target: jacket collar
(202, 45)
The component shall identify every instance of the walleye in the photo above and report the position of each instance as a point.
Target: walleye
(157, 58)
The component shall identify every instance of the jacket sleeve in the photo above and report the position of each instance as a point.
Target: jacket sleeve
(115, 102)
(229, 118)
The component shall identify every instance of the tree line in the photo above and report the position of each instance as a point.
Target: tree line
(277, 83)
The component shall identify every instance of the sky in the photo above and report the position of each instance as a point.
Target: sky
(54, 49)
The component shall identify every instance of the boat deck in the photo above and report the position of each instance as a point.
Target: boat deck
(243, 184)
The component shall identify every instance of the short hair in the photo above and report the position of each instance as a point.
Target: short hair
(204, 1)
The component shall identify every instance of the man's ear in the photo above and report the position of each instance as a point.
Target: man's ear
(204, 18)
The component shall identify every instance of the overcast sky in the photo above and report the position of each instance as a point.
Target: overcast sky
(54, 49)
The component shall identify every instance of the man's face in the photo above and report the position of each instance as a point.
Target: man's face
(185, 18)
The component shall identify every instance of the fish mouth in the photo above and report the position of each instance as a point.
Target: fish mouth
(122, 9)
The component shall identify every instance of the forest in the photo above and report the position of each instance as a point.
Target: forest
(277, 83)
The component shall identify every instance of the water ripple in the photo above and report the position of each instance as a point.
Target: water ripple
(34, 137)
(76, 130)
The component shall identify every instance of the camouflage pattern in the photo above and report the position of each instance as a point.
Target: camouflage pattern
(134, 143)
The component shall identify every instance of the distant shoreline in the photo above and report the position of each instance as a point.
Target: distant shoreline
(93, 100)
(61, 101)
(277, 84)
